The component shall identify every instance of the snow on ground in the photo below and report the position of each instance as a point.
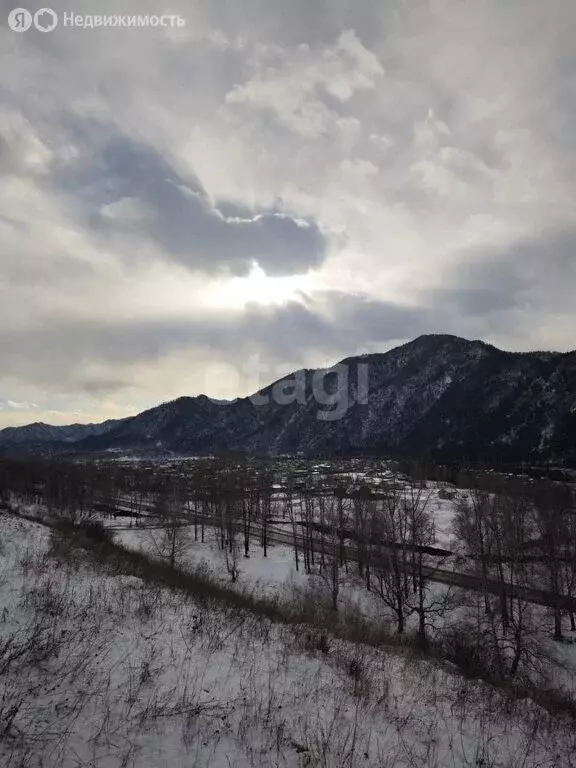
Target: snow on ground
(443, 512)
(105, 671)
(276, 576)
(272, 576)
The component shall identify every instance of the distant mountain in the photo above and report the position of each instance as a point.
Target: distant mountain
(438, 394)
(35, 437)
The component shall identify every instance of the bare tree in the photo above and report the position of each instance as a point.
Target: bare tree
(391, 535)
(231, 555)
(340, 495)
(550, 502)
(472, 529)
(364, 517)
(329, 565)
(173, 541)
(290, 508)
(424, 562)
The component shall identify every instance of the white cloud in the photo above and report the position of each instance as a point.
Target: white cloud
(16, 406)
(288, 83)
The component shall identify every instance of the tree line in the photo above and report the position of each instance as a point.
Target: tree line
(379, 530)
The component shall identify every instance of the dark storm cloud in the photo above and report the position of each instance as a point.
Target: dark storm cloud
(483, 287)
(379, 321)
(128, 187)
(527, 275)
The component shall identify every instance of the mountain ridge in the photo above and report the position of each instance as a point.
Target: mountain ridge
(438, 394)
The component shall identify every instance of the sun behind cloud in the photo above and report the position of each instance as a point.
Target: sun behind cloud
(259, 288)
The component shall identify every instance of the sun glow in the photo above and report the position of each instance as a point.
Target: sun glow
(259, 288)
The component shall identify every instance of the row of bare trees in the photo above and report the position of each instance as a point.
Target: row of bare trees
(524, 536)
(385, 538)
(525, 539)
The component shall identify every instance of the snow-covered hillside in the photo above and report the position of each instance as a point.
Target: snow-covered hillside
(99, 668)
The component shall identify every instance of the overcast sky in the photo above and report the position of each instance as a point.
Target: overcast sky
(277, 185)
